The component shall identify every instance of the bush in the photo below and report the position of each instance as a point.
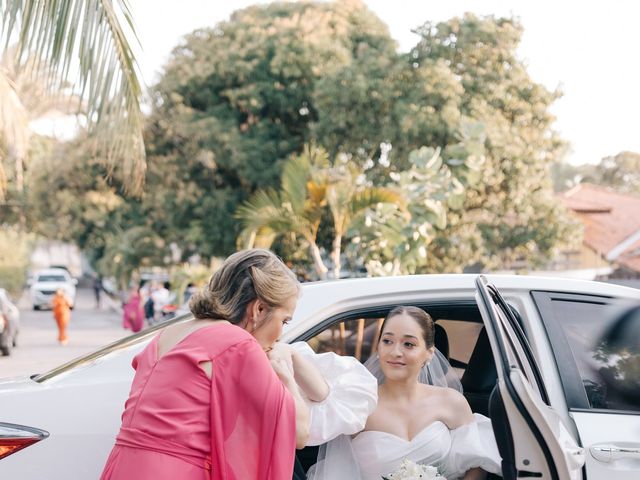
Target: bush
(15, 252)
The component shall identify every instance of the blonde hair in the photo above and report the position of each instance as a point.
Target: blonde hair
(243, 277)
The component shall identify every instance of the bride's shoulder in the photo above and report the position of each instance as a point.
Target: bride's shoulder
(453, 407)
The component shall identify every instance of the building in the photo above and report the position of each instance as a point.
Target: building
(611, 244)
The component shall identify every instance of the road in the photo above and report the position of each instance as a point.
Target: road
(38, 349)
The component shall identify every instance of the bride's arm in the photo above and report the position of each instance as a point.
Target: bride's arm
(458, 414)
(475, 474)
(307, 376)
(456, 409)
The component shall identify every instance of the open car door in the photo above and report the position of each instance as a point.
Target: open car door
(531, 437)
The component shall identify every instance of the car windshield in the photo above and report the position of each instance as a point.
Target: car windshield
(51, 278)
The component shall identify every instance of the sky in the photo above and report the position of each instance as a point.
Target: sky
(588, 49)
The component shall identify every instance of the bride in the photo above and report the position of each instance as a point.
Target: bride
(424, 423)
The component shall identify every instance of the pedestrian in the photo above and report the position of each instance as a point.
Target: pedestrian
(97, 289)
(188, 292)
(148, 306)
(161, 298)
(207, 403)
(133, 311)
(62, 314)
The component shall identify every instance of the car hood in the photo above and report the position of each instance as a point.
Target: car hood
(13, 384)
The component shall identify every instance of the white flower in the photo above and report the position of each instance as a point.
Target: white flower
(409, 470)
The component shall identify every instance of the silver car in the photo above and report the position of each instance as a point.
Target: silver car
(9, 323)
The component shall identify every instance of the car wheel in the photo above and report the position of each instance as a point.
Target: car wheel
(15, 341)
(6, 351)
(36, 307)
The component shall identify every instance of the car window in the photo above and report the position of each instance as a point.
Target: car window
(356, 337)
(51, 278)
(581, 324)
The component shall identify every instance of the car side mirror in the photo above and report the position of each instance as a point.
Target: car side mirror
(618, 355)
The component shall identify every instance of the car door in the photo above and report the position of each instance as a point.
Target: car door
(609, 428)
(532, 438)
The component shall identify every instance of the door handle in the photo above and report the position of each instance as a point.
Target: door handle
(610, 452)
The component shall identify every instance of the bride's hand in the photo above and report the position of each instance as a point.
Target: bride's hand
(281, 360)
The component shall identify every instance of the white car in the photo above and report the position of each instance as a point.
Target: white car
(46, 282)
(523, 346)
(9, 323)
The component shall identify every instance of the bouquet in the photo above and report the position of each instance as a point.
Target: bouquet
(409, 470)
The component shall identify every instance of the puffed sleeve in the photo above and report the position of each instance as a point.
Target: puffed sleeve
(473, 445)
(353, 394)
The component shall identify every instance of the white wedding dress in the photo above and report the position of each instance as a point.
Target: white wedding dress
(353, 394)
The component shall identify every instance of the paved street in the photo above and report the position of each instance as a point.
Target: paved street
(38, 349)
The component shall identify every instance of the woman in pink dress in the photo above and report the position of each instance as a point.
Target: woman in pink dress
(132, 312)
(206, 402)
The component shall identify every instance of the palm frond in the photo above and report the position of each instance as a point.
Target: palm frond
(92, 32)
(295, 175)
(371, 196)
(13, 126)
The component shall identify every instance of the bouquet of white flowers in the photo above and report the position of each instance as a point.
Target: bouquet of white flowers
(409, 470)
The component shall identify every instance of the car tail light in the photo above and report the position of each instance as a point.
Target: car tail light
(16, 437)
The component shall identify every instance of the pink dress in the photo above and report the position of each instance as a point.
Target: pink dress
(180, 424)
(133, 314)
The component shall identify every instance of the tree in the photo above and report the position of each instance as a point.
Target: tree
(56, 32)
(311, 184)
(237, 100)
(513, 207)
(621, 172)
(462, 69)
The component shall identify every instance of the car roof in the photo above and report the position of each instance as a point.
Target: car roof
(319, 294)
(52, 271)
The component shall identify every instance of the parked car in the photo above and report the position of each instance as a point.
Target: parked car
(524, 348)
(46, 282)
(9, 323)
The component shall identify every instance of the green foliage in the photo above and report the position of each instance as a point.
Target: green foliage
(15, 252)
(392, 241)
(236, 100)
(237, 104)
(314, 192)
(513, 206)
(86, 41)
(126, 251)
(619, 172)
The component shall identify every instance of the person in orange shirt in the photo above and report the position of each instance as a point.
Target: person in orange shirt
(62, 314)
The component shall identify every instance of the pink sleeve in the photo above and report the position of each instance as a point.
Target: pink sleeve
(253, 434)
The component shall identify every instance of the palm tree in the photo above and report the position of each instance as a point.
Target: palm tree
(56, 32)
(25, 98)
(310, 184)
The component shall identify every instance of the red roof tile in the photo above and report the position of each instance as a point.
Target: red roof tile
(609, 217)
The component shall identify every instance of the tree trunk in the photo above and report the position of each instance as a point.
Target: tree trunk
(22, 219)
(321, 268)
(335, 255)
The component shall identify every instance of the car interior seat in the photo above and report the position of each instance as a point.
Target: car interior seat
(480, 376)
(441, 340)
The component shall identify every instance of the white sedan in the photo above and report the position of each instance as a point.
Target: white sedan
(523, 347)
(46, 282)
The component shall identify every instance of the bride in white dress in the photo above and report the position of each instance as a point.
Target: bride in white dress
(426, 424)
